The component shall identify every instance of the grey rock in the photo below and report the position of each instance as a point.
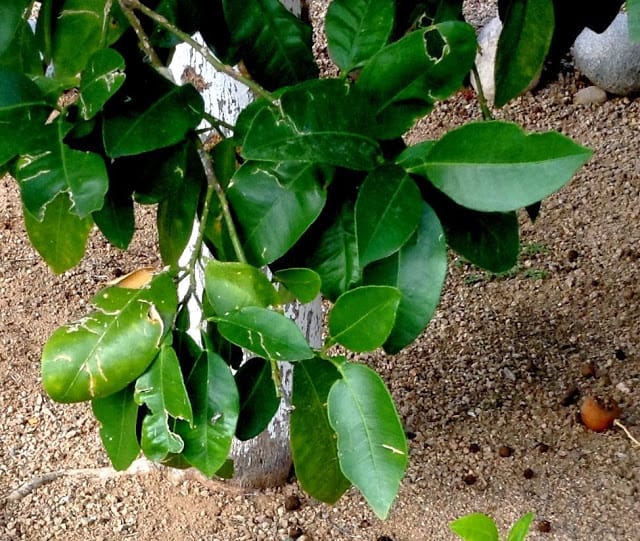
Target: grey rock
(610, 60)
(589, 95)
(488, 37)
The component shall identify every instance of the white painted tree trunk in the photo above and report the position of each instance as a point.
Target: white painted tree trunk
(265, 460)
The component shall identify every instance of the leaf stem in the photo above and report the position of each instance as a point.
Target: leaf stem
(218, 123)
(275, 376)
(482, 99)
(201, 48)
(127, 8)
(214, 186)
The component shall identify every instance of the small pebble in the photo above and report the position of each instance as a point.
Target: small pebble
(571, 396)
(529, 473)
(589, 95)
(543, 447)
(292, 503)
(620, 354)
(505, 451)
(544, 526)
(295, 532)
(474, 448)
(572, 255)
(384, 538)
(588, 370)
(470, 479)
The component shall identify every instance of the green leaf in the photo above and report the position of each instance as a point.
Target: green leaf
(103, 352)
(388, 210)
(357, 29)
(633, 14)
(60, 237)
(176, 215)
(11, 20)
(362, 319)
(304, 284)
(266, 333)
(258, 399)
(336, 257)
(55, 168)
(372, 448)
(116, 219)
(163, 123)
(520, 529)
(215, 403)
(475, 527)
(313, 441)
(317, 122)
(274, 44)
(23, 113)
(161, 388)
(403, 80)
(413, 159)
(22, 53)
(232, 286)
(495, 167)
(82, 27)
(418, 270)
(523, 45)
(101, 79)
(275, 203)
(118, 416)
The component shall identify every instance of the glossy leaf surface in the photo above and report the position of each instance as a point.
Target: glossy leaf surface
(418, 271)
(315, 452)
(214, 399)
(102, 353)
(161, 389)
(304, 284)
(275, 204)
(11, 20)
(60, 237)
(357, 29)
(258, 399)
(520, 529)
(362, 318)
(232, 286)
(387, 213)
(523, 45)
(118, 417)
(101, 79)
(496, 167)
(266, 333)
(372, 447)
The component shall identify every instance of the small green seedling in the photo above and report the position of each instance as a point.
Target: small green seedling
(480, 527)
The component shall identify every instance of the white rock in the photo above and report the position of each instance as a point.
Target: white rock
(610, 60)
(590, 94)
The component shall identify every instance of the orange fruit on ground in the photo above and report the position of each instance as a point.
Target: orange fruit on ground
(598, 414)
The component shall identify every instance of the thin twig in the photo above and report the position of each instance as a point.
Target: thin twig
(482, 99)
(127, 8)
(201, 48)
(616, 422)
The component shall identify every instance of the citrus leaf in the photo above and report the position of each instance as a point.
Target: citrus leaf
(266, 333)
(165, 122)
(305, 284)
(496, 167)
(372, 447)
(22, 53)
(55, 168)
(274, 44)
(11, 19)
(161, 388)
(215, 403)
(103, 352)
(523, 45)
(116, 219)
(357, 29)
(313, 441)
(520, 529)
(60, 237)
(387, 212)
(362, 319)
(633, 15)
(231, 286)
(403, 80)
(275, 204)
(475, 527)
(317, 122)
(101, 79)
(258, 399)
(118, 417)
(336, 257)
(418, 270)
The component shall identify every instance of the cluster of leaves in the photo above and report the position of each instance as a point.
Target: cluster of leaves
(315, 182)
(480, 527)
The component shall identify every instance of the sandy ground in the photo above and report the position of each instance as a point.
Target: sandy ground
(505, 363)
